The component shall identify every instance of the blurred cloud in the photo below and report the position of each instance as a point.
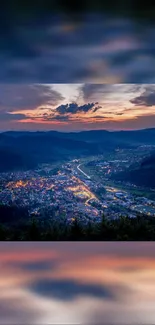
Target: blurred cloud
(94, 48)
(13, 310)
(71, 283)
(49, 250)
(69, 289)
(35, 265)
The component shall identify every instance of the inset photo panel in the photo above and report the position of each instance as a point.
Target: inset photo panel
(77, 162)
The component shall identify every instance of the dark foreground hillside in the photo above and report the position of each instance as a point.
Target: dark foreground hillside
(16, 224)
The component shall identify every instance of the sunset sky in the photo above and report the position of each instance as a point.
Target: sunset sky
(74, 107)
(77, 283)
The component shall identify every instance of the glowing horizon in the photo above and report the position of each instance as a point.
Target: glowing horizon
(76, 107)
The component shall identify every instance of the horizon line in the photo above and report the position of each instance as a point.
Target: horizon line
(76, 131)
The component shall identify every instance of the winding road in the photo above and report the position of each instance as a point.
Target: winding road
(78, 167)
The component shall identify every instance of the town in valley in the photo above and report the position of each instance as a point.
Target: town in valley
(81, 188)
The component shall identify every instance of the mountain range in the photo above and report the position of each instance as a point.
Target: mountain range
(26, 149)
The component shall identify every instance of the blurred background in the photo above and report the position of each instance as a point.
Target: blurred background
(72, 41)
(77, 283)
(67, 42)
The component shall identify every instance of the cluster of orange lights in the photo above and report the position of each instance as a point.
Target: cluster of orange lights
(22, 184)
(75, 188)
(18, 184)
(82, 190)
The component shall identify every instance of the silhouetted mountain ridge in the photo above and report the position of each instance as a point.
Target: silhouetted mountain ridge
(30, 148)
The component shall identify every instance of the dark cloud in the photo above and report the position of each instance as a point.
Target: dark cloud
(24, 97)
(88, 90)
(74, 108)
(97, 117)
(147, 98)
(96, 108)
(69, 289)
(66, 112)
(68, 108)
(10, 117)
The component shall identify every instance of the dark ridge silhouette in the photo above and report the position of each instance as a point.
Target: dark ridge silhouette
(24, 150)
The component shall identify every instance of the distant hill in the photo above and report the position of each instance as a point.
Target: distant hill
(138, 137)
(11, 160)
(21, 150)
(142, 175)
(114, 138)
(31, 148)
